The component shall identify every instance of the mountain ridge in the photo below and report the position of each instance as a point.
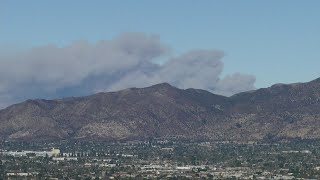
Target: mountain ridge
(282, 111)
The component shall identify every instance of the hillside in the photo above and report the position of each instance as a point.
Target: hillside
(279, 112)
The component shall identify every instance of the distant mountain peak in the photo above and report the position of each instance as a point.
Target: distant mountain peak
(164, 111)
(162, 85)
(316, 80)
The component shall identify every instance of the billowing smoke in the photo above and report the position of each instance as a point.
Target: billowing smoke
(125, 61)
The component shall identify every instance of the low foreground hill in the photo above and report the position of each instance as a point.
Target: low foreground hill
(163, 111)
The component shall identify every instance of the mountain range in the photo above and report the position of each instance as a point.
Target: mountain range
(282, 111)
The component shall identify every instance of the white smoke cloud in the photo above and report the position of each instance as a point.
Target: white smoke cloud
(125, 61)
(195, 69)
(235, 83)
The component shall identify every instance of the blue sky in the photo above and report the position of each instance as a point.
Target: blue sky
(277, 41)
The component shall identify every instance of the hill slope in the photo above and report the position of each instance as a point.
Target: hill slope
(281, 111)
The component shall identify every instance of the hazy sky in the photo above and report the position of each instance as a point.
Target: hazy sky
(273, 41)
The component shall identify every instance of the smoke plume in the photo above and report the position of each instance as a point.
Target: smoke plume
(128, 60)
